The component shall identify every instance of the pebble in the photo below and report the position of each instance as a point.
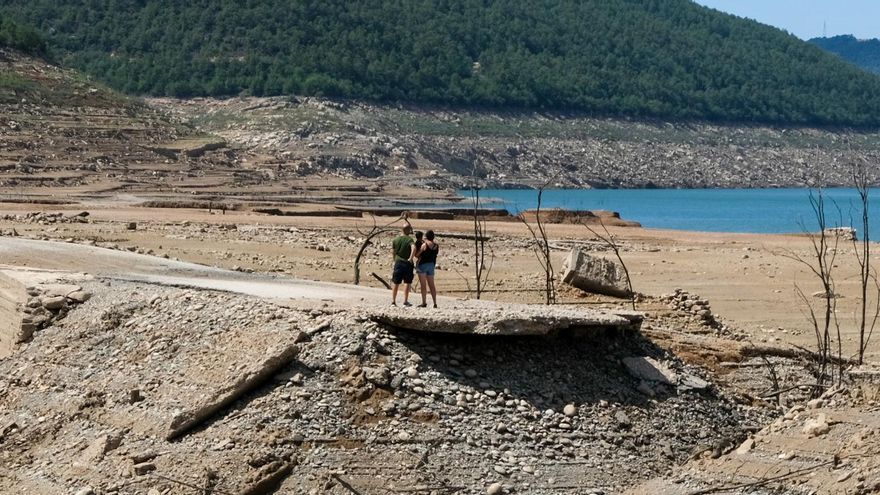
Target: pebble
(144, 468)
(494, 489)
(570, 410)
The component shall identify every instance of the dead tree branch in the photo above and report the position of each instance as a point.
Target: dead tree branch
(762, 482)
(481, 268)
(374, 231)
(542, 247)
(862, 250)
(821, 264)
(611, 242)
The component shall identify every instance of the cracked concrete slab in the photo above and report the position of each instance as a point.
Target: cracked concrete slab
(502, 319)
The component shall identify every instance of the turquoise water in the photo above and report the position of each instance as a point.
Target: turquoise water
(708, 210)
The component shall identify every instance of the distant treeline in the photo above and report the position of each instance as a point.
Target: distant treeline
(864, 53)
(22, 38)
(671, 59)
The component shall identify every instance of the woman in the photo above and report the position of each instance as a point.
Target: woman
(418, 247)
(427, 262)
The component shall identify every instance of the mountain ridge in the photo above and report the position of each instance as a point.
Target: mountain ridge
(863, 53)
(668, 59)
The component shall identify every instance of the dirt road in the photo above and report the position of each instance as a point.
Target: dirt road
(122, 265)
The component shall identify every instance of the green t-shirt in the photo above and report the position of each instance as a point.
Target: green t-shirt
(402, 246)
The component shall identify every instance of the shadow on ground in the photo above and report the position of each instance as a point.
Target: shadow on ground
(547, 372)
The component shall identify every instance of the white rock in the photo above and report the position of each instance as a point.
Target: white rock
(746, 446)
(816, 427)
(646, 368)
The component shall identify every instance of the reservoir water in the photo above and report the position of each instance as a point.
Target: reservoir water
(708, 210)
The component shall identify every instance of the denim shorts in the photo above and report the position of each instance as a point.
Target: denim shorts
(426, 269)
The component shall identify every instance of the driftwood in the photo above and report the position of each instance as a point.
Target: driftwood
(198, 489)
(454, 489)
(345, 484)
(777, 393)
(762, 482)
(269, 483)
(791, 352)
(318, 328)
(467, 237)
(380, 279)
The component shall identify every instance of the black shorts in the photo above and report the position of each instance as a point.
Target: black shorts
(403, 272)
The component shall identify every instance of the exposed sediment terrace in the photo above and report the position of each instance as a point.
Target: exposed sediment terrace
(436, 148)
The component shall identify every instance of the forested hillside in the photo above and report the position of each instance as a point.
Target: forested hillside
(661, 58)
(23, 38)
(864, 53)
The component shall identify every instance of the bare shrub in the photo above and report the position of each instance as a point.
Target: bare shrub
(542, 248)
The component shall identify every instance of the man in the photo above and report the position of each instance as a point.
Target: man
(402, 248)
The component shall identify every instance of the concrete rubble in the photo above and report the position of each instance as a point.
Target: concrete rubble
(645, 368)
(255, 374)
(25, 309)
(594, 274)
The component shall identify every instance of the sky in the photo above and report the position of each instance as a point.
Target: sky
(804, 18)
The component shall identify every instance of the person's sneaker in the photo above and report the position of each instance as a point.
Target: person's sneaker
(423, 305)
(407, 303)
(435, 306)
(394, 304)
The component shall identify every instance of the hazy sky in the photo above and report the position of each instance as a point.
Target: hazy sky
(804, 18)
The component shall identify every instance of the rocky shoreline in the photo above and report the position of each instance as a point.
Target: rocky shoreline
(445, 149)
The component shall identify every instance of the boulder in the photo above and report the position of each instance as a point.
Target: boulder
(379, 375)
(817, 426)
(692, 382)
(746, 446)
(648, 369)
(54, 303)
(79, 296)
(595, 275)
